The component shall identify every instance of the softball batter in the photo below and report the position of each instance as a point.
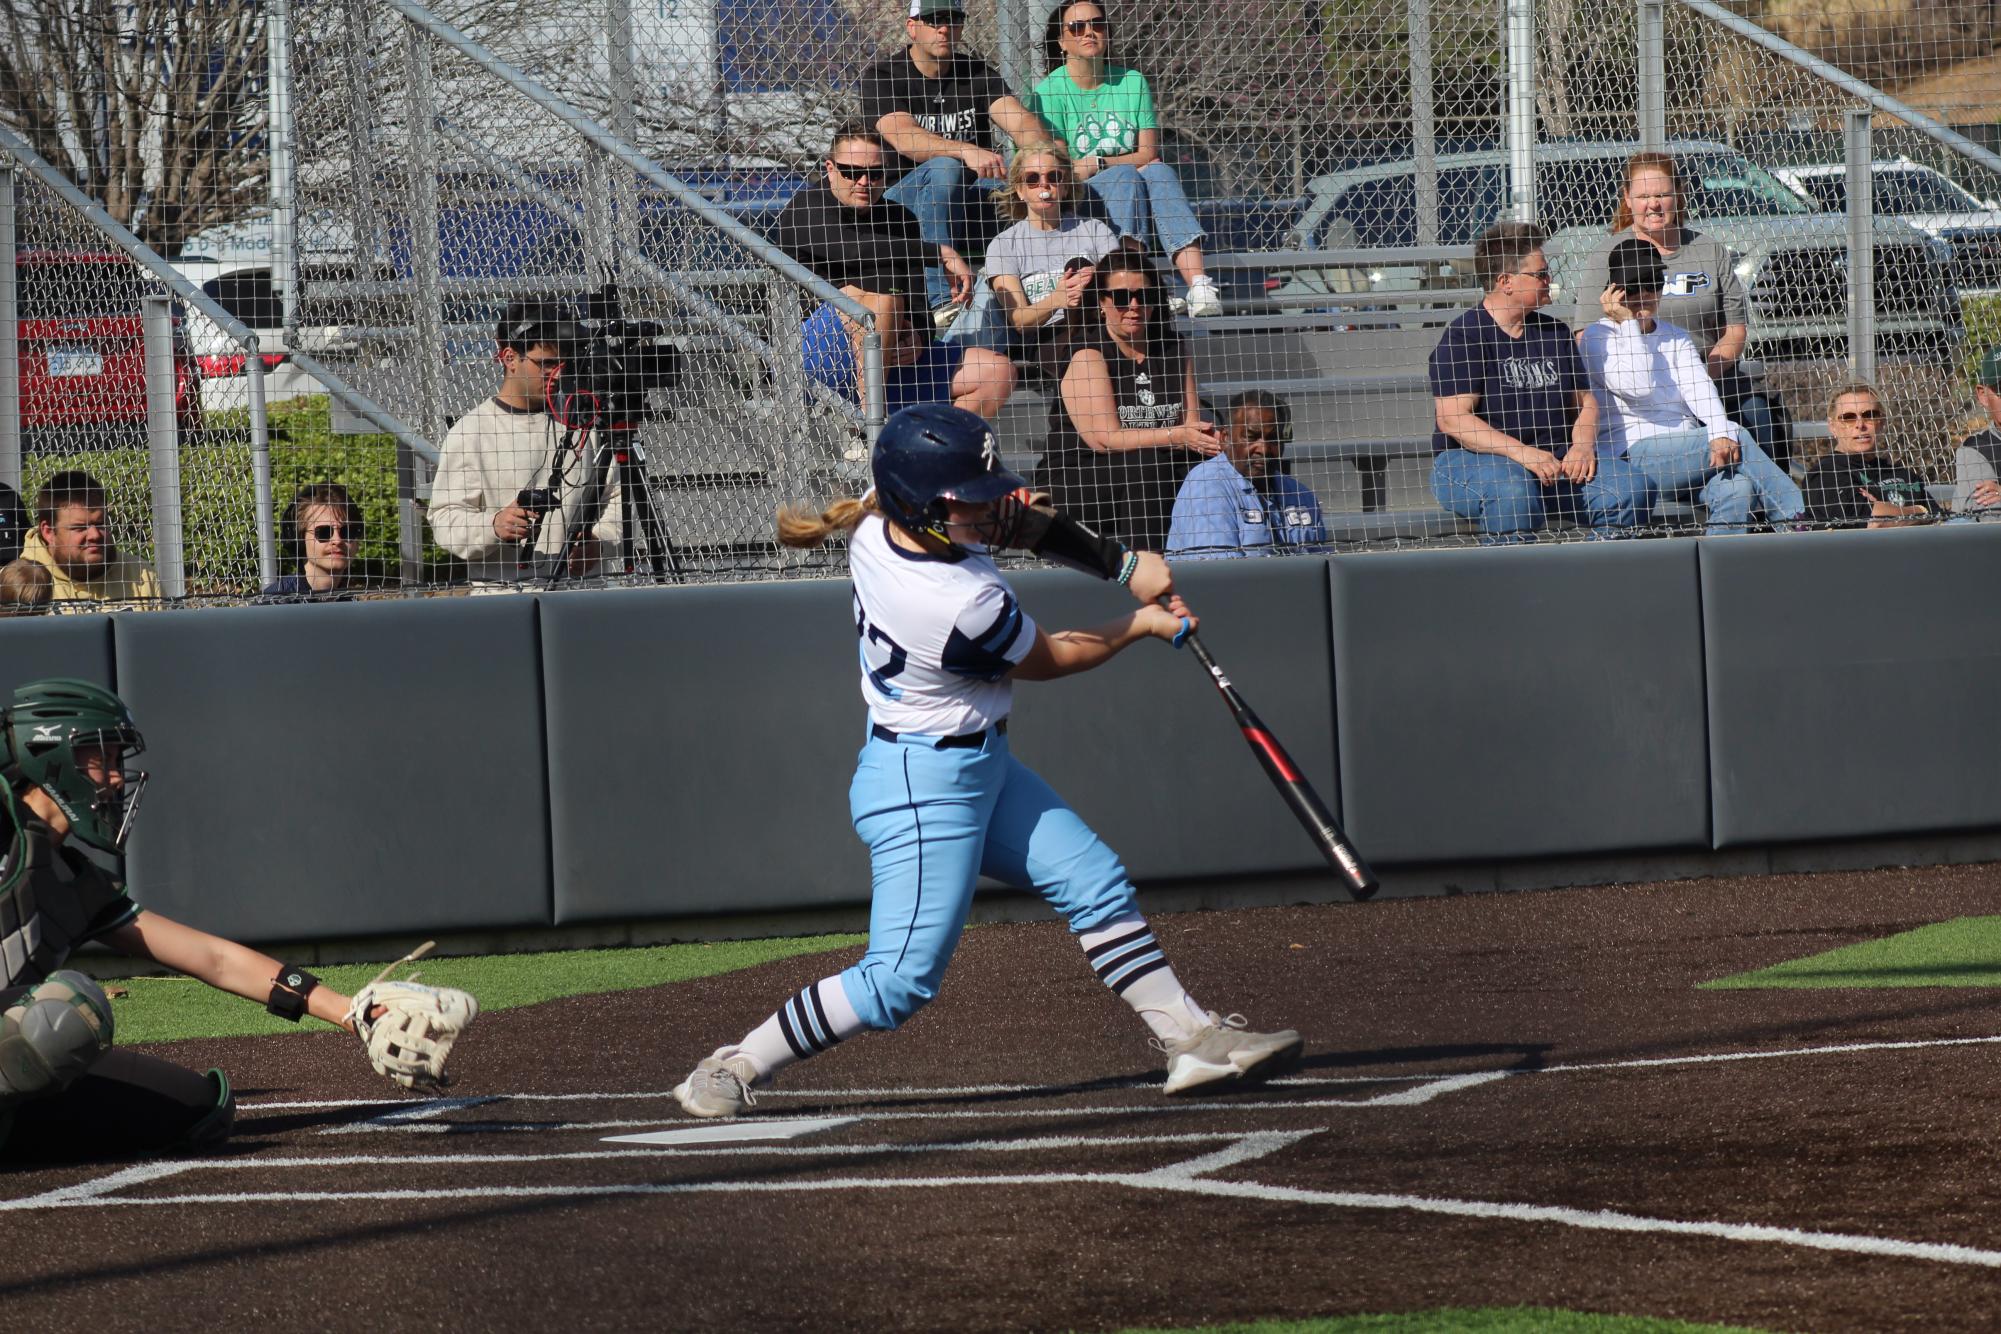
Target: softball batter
(936, 795)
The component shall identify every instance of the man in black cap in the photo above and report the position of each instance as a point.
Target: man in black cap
(943, 110)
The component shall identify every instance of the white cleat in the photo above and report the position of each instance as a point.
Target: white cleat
(1225, 1050)
(719, 1085)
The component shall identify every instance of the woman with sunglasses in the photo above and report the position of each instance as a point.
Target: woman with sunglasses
(1857, 484)
(320, 531)
(1127, 426)
(1040, 268)
(1104, 112)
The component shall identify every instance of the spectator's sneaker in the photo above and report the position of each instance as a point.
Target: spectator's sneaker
(1203, 298)
(1225, 1050)
(719, 1086)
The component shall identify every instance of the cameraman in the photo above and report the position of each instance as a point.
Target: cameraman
(503, 453)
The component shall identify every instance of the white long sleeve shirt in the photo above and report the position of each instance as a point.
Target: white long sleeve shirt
(489, 457)
(1648, 384)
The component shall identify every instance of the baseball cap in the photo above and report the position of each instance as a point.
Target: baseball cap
(1990, 369)
(1636, 266)
(924, 9)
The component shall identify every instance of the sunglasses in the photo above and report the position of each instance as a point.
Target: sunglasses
(858, 171)
(1540, 275)
(1866, 415)
(325, 532)
(1125, 297)
(1078, 27)
(1045, 178)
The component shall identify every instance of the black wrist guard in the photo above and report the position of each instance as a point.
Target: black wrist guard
(289, 991)
(1054, 535)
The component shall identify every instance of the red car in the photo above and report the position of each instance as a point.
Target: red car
(83, 354)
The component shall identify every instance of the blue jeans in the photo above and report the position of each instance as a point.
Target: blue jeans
(946, 197)
(1678, 463)
(830, 358)
(1135, 195)
(1510, 503)
(935, 821)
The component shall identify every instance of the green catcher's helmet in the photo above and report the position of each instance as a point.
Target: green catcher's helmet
(42, 730)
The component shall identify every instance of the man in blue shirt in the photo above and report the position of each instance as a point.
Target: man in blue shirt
(1239, 503)
(1517, 424)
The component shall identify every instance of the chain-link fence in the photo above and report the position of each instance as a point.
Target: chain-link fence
(143, 462)
(1333, 165)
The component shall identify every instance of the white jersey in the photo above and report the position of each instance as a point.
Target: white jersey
(938, 636)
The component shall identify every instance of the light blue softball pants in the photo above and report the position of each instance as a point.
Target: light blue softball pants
(935, 821)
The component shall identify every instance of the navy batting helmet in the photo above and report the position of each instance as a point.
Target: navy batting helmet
(933, 453)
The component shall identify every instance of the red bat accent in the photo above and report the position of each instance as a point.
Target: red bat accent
(1274, 753)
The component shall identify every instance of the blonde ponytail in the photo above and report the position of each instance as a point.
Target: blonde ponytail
(800, 526)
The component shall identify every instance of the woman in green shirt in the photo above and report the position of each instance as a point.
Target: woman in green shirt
(1104, 113)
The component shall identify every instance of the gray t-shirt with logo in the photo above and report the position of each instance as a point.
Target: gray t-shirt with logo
(1703, 293)
(1037, 257)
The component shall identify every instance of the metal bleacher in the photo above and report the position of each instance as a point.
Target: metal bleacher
(1351, 363)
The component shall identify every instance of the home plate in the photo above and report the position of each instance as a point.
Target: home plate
(731, 1132)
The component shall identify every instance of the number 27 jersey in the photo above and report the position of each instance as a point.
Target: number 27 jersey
(937, 636)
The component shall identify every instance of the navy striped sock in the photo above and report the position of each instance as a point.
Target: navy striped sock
(803, 1020)
(1126, 958)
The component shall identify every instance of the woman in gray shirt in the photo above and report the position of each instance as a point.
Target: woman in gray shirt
(1703, 294)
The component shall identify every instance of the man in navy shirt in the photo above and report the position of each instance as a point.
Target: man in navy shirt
(1517, 424)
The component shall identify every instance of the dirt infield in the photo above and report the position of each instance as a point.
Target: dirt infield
(1505, 1099)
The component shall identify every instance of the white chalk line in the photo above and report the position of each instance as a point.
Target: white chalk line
(1239, 1147)
(1184, 1178)
(417, 1109)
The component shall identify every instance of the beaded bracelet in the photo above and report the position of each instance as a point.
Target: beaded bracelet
(1126, 568)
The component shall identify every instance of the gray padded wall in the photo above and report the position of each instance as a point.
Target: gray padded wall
(1854, 683)
(700, 745)
(1144, 750)
(325, 771)
(32, 647)
(1522, 702)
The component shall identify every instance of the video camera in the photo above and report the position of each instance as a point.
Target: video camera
(616, 361)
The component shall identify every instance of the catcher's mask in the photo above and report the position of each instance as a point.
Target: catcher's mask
(933, 453)
(43, 730)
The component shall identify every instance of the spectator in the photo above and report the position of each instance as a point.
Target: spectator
(1517, 422)
(1978, 464)
(874, 252)
(1127, 425)
(942, 112)
(1657, 408)
(14, 524)
(1242, 502)
(1039, 269)
(1858, 481)
(1702, 295)
(1104, 113)
(25, 588)
(73, 543)
(485, 506)
(320, 530)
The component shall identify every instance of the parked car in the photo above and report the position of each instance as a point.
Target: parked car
(1926, 199)
(246, 291)
(1792, 255)
(83, 351)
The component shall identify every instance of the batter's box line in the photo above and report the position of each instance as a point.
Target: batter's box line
(1183, 1178)
(1237, 1147)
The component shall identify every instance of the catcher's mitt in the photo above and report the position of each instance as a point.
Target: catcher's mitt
(410, 1040)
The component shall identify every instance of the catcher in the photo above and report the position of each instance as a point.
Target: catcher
(64, 1092)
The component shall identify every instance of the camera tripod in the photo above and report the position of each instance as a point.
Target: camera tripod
(617, 454)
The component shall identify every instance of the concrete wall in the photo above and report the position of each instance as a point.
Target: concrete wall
(465, 765)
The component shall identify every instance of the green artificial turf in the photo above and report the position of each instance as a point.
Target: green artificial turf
(160, 1009)
(1965, 952)
(1486, 1320)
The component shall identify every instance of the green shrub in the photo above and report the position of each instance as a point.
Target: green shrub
(218, 494)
